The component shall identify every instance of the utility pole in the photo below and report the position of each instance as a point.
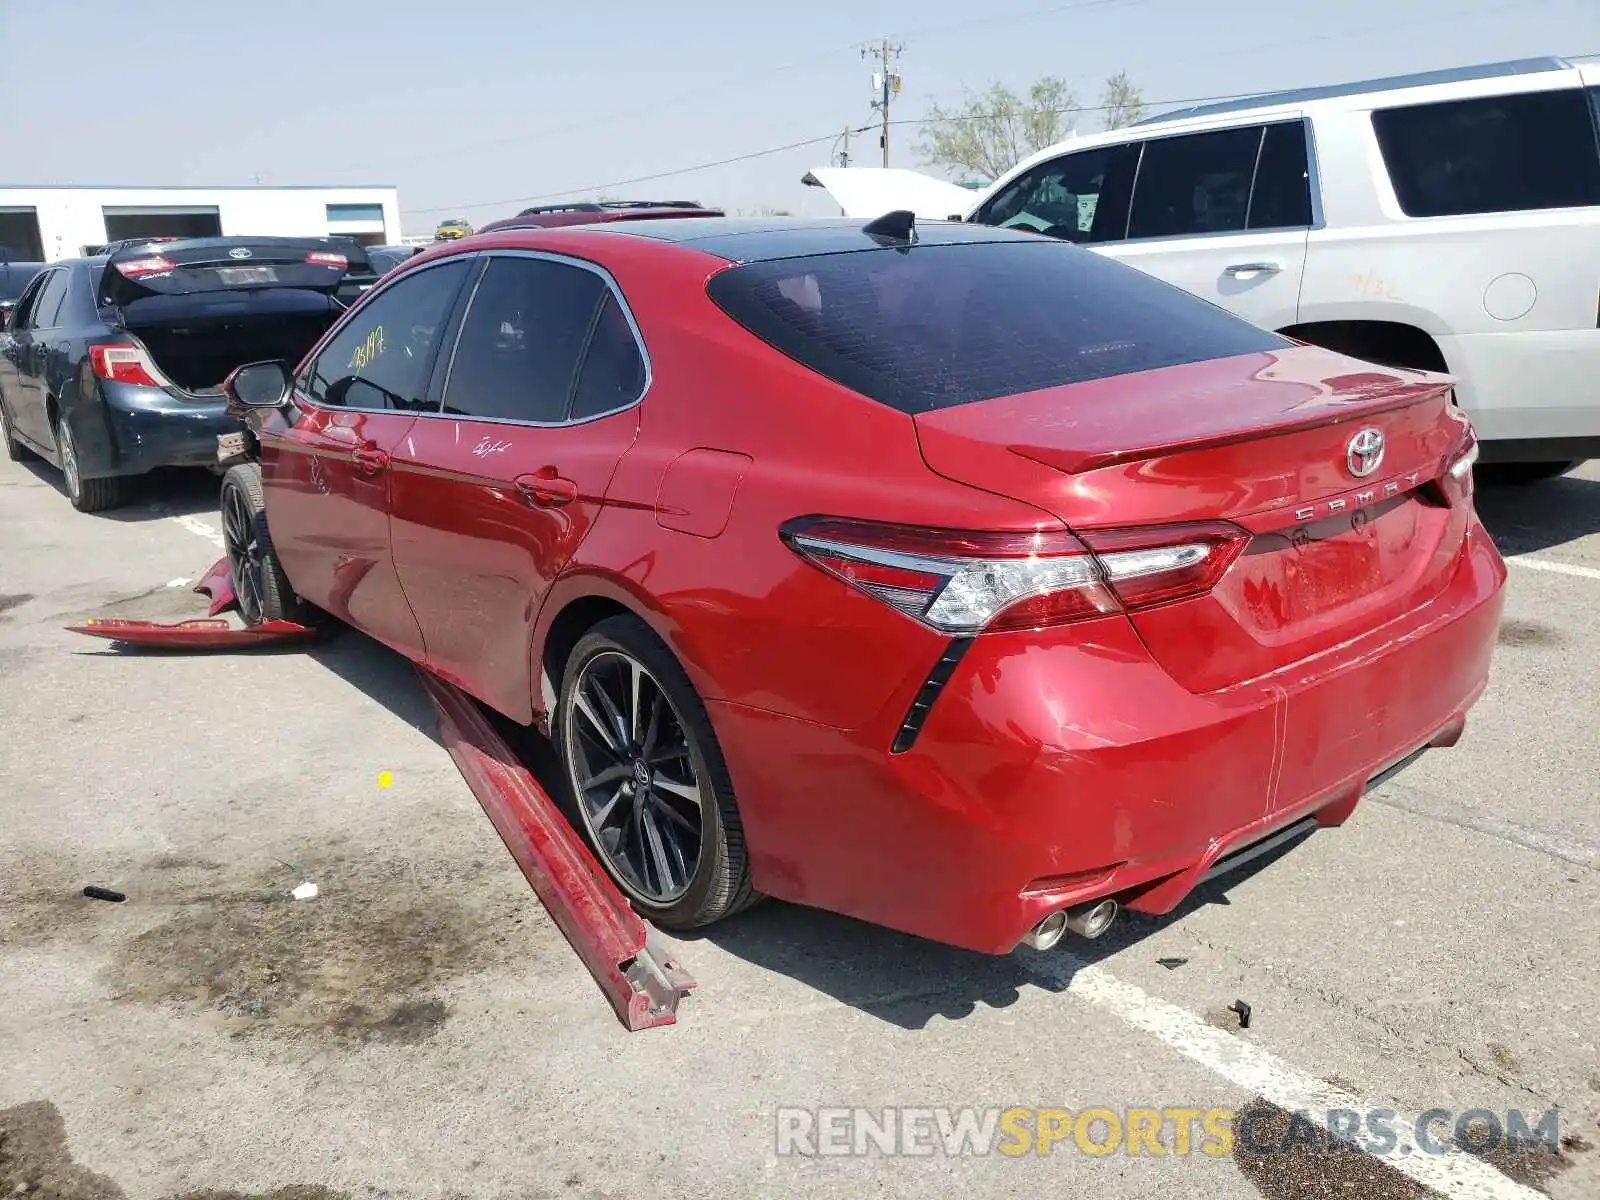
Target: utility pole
(885, 86)
(844, 155)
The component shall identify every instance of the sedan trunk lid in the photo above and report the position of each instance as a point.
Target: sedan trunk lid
(1329, 464)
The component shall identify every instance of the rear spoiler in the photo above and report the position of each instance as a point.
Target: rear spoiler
(195, 265)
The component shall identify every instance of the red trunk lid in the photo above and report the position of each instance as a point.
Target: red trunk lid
(1262, 440)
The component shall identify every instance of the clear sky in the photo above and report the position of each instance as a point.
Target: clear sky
(474, 108)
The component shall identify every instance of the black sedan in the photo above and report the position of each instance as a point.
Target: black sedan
(112, 366)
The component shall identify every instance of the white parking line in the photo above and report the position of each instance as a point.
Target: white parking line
(199, 527)
(1555, 568)
(1457, 1175)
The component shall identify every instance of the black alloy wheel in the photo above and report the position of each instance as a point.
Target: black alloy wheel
(636, 782)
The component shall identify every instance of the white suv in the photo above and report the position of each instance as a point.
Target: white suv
(1448, 221)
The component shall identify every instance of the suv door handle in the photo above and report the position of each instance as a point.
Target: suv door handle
(1241, 270)
(369, 459)
(545, 488)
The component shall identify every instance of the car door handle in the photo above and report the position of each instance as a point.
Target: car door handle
(546, 488)
(1242, 270)
(370, 460)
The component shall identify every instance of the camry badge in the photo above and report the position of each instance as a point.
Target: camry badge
(1365, 453)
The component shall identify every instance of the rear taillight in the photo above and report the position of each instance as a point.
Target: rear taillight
(152, 265)
(325, 258)
(1455, 484)
(963, 583)
(123, 364)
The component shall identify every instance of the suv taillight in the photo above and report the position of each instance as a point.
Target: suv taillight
(326, 258)
(123, 363)
(964, 583)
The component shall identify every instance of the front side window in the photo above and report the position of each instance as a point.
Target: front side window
(517, 357)
(1194, 184)
(1082, 197)
(1493, 154)
(22, 318)
(382, 357)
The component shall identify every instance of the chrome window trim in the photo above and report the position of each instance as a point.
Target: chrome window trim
(476, 256)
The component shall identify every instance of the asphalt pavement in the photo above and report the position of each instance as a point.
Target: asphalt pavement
(421, 1029)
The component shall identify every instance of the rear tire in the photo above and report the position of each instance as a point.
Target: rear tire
(260, 586)
(1521, 474)
(87, 495)
(631, 783)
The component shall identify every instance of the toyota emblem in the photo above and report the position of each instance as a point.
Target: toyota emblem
(1364, 454)
(240, 252)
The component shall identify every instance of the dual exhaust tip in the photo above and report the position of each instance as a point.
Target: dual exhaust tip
(1086, 920)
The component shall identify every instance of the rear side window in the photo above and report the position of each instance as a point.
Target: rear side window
(47, 307)
(613, 372)
(1493, 154)
(517, 358)
(938, 326)
(1199, 183)
(383, 355)
(1281, 195)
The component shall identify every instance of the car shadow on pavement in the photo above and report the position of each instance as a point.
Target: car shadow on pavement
(1527, 518)
(896, 977)
(169, 492)
(378, 672)
(908, 981)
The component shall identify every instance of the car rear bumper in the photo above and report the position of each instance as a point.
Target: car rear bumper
(1047, 775)
(142, 428)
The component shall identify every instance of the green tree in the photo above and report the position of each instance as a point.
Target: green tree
(1122, 103)
(990, 131)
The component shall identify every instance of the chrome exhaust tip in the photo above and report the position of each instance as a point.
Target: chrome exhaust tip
(1047, 932)
(1092, 919)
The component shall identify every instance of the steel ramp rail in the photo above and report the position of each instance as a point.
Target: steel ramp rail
(634, 969)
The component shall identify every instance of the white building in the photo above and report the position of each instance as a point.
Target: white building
(43, 224)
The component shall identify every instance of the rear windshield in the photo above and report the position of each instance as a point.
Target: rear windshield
(937, 326)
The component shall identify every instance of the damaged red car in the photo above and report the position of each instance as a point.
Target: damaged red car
(949, 577)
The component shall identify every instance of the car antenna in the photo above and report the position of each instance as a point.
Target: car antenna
(897, 226)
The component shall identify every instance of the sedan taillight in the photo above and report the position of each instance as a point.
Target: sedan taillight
(963, 583)
(123, 363)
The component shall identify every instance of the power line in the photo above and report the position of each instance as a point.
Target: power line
(719, 89)
(616, 183)
(754, 154)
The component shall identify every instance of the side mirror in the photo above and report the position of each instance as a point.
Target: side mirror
(5, 316)
(259, 385)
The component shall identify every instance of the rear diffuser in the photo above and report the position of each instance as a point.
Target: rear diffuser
(634, 969)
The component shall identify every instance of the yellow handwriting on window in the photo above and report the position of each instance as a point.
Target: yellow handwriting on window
(368, 352)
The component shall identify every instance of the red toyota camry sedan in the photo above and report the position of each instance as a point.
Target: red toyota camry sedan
(953, 578)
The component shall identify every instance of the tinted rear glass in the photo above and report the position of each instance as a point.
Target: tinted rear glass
(1493, 154)
(937, 326)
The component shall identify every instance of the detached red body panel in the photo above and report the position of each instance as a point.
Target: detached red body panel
(642, 980)
(203, 633)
